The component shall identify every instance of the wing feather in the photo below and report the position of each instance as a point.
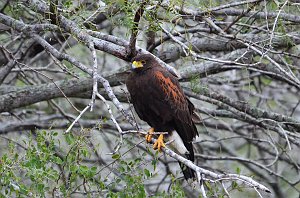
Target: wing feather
(180, 107)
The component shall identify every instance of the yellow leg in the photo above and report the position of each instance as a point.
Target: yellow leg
(149, 135)
(159, 143)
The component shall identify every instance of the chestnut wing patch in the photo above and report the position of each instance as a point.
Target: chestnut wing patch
(172, 91)
(178, 103)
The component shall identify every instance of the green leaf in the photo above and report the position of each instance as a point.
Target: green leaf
(234, 185)
(84, 152)
(154, 162)
(83, 168)
(70, 138)
(68, 4)
(122, 169)
(73, 168)
(238, 170)
(94, 169)
(266, 80)
(40, 187)
(208, 186)
(116, 156)
(57, 160)
(147, 173)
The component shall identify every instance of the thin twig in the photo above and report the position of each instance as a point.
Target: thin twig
(94, 75)
(112, 117)
(77, 118)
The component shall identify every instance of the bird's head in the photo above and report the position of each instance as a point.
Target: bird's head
(143, 62)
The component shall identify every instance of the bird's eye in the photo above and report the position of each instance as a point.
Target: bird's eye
(143, 62)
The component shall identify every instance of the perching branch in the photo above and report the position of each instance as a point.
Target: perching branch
(206, 174)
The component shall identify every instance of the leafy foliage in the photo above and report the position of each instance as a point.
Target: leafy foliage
(35, 169)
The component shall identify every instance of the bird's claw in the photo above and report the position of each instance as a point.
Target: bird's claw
(149, 135)
(159, 143)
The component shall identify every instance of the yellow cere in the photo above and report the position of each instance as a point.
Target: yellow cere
(137, 64)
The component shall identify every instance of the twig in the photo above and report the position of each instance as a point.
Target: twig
(94, 74)
(225, 190)
(275, 22)
(200, 179)
(289, 75)
(258, 193)
(242, 15)
(261, 166)
(196, 56)
(134, 32)
(77, 118)
(142, 132)
(115, 122)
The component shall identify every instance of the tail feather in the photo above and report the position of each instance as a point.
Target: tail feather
(184, 147)
(188, 173)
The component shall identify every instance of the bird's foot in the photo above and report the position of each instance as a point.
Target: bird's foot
(159, 143)
(149, 135)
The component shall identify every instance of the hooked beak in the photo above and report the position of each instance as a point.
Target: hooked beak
(136, 64)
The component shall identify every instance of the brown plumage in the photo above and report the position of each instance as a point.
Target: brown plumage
(159, 100)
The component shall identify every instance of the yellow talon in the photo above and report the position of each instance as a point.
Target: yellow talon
(149, 135)
(159, 143)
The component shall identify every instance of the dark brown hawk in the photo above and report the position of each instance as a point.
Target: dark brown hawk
(159, 100)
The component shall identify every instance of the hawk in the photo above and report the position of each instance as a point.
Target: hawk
(159, 100)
